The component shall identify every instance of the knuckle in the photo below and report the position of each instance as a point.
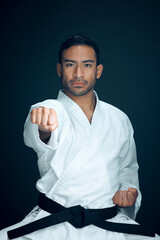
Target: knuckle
(45, 110)
(39, 109)
(32, 120)
(45, 127)
(38, 122)
(52, 111)
(33, 110)
(43, 124)
(130, 204)
(32, 116)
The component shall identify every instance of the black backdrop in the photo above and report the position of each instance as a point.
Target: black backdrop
(128, 35)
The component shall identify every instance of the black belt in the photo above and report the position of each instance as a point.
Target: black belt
(79, 217)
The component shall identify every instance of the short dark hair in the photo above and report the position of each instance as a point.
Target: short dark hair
(79, 39)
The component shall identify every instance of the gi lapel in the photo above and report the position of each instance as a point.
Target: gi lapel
(86, 152)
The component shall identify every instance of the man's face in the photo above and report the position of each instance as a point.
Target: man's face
(78, 70)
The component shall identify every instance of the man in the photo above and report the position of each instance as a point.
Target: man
(86, 157)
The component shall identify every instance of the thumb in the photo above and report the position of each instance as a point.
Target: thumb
(52, 127)
(134, 191)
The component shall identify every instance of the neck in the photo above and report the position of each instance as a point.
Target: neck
(86, 102)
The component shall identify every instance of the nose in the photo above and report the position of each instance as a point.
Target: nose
(78, 72)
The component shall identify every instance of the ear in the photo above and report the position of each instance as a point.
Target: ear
(59, 69)
(99, 70)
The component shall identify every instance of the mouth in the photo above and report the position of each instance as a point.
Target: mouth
(77, 84)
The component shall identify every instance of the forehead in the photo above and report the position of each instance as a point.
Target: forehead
(79, 52)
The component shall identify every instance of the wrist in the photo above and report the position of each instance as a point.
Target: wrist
(44, 135)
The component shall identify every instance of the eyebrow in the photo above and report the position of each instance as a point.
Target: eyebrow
(84, 61)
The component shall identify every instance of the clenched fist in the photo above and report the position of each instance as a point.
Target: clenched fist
(125, 198)
(45, 118)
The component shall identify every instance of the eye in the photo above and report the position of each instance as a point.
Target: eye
(88, 65)
(69, 64)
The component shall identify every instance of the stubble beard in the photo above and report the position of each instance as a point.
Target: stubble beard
(78, 90)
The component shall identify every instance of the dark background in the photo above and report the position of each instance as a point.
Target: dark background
(128, 34)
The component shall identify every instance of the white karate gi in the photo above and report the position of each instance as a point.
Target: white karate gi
(83, 164)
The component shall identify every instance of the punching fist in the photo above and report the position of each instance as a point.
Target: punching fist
(45, 118)
(125, 198)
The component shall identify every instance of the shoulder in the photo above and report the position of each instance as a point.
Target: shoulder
(113, 110)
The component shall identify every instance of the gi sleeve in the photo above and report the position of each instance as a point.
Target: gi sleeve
(31, 132)
(129, 171)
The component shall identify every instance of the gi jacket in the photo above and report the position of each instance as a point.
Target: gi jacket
(84, 164)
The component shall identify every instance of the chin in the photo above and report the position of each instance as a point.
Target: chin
(78, 92)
